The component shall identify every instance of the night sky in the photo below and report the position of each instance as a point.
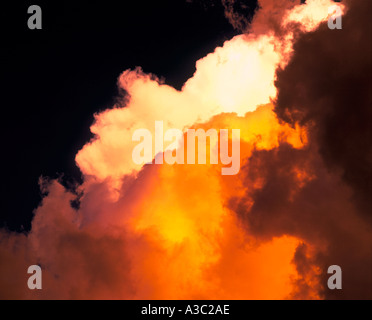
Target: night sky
(53, 80)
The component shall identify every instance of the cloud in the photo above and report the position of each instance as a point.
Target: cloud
(330, 88)
(186, 231)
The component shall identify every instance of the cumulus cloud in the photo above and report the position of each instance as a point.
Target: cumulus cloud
(297, 205)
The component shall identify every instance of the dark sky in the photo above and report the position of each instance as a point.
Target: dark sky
(53, 80)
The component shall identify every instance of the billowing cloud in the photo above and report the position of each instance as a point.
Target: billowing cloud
(185, 231)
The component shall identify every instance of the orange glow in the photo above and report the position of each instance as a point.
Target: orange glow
(166, 231)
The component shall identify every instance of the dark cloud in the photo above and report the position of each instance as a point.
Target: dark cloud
(321, 194)
(240, 13)
(295, 194)
(327, 85)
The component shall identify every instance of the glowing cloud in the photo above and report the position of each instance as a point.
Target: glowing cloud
(186, 231)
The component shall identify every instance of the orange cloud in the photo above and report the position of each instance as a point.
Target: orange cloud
(186, 231)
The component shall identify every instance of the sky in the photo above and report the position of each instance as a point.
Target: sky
(63, 85)
(102, 226)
